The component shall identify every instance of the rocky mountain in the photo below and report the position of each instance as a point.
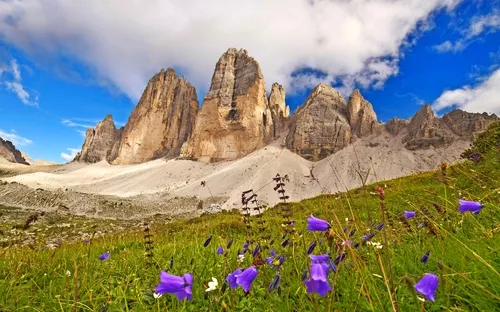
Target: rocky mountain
(161, 122)
(9, 152)
(279, 110)
(362, 117)
(320, 127)
(99, 142)
(235, 118)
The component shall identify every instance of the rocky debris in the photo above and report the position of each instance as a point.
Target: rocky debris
(213, 208)
(161, 122)
(10, 153)
(395, 125)
(468, 125)
(279, 110)
(235, 118)
(425, 131)
(320, 127)
(99, 142)
(362, 117)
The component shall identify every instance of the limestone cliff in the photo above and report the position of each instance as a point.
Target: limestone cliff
(235, 118)
(161, 122)
(320, 127)
(99, 142)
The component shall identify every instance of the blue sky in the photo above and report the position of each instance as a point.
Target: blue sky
(61, 73)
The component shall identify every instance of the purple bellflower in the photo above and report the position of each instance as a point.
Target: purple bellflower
(425, 257)
(410, 214)
(231, 278)
(315, 224)
(427, 286)
(467, 205)
(181, 286)
(220, 251)
(104, 256)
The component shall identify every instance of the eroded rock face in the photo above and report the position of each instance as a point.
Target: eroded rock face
(320, 127)
(235, 118)
(425, 130)
(395, 125)
(467, 125)
(279, 110)
(160, 123)
(99, 142)
(11, 153)
(362, 117)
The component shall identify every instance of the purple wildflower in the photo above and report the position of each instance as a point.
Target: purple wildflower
(367, 237)
(315, 224)
(380, 226)
(427, 286)
(229, 244)
(274, 283)
(231, 278)
(104, 256)
(273, 253)
(207, 241)
(180, 286)
(269, 260)
(318, 286)
(245, 245)
(339, 258)
(410, 214)
(256, 250)
(467, 205)
(245, 278)
(220, 251)
(285, 243)
(425, 257)
(352, 232)
(318, 280)
(311, 247)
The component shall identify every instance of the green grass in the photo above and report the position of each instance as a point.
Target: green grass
(464, 254)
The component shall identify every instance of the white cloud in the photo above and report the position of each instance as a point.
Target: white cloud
(485, 97)
(15, 84)
(15, 138)
(478, 26)
(71, 155)
(125, 42)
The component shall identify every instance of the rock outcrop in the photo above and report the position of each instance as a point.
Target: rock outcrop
(467, 125)
(395, 125)
(362, 117)
(320, 127)
(99, 142)
(235, 118)
(279, 110)
(161, 122)
(11, 153)
(425, 130)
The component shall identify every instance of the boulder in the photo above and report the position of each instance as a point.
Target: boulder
(235, 118)
(320, 127)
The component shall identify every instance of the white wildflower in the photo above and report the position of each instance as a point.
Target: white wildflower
(157, 295)
(212, 285)
(68, 273)
(241, 258)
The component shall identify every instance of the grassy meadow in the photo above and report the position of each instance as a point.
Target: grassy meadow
(376, 274)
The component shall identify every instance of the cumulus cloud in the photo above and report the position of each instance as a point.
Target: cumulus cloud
(15, 138)
(124, 42)
(479, 25)
(71, 155)
(484, 97)
(14, 83)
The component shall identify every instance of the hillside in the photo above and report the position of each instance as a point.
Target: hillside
(377, 252)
